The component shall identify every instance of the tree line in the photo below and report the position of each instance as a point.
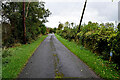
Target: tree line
(98, 38)
(12, 22)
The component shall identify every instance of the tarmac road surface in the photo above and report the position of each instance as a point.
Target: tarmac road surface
(52, 59)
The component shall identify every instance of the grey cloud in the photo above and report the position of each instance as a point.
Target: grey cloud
(107, 9)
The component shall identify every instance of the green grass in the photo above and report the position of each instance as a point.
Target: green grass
(98, 65)
(14, 59)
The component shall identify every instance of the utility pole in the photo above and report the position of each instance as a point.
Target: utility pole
(24, 26)
(82, 16)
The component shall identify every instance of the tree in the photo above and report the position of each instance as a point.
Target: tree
(60, 26)
(118, 27)
(43, 29)
(24, 26)
(72, 24)
(67, 24)
(36, 15)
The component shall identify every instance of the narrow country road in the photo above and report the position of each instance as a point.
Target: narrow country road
(52, 59)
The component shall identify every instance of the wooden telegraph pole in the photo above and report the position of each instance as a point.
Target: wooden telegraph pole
(82, 16)
(24, 26)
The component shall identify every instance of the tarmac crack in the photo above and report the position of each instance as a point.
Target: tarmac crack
(58, 73)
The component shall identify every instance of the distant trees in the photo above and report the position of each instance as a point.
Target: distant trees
(51, 30)
(69, 31)
(36, 15)
(60, 26)
(118, 27)
(43, 29)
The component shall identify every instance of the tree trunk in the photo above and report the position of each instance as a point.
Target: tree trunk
(24, 27)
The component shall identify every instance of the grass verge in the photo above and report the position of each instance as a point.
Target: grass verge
(91, 59)
(14, 59)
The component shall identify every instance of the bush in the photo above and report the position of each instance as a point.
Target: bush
(6, 53)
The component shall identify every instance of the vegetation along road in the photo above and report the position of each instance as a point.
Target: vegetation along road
(53, 60)
(30, 50)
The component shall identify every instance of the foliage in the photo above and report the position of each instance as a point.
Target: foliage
(118, 27)
(12, 21)
(51, 30)
(60, 26)
(69, 32)
(43, 29)
(98, 38)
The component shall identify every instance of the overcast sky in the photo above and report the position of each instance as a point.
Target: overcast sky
(71, 10)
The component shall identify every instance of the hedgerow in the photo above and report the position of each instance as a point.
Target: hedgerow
(98, 38)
